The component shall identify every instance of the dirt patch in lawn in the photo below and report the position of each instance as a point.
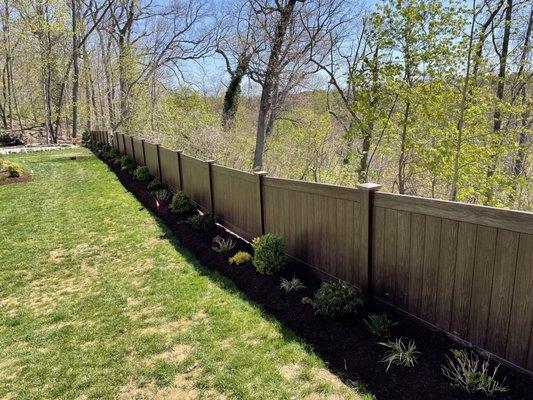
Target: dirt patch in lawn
(5, 179)
(351, 351)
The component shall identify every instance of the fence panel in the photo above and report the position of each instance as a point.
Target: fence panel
(170, 168)
(236, 200)
(150, 151)
(320, 225)
(195, 175)
(138, 151)
(466, 269)
(120, 143)
(129, 147)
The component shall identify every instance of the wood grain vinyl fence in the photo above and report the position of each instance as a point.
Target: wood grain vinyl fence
(465, 269)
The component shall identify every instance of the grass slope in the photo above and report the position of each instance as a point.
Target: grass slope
(98, 301)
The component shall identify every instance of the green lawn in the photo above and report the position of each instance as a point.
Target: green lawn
(98, 301)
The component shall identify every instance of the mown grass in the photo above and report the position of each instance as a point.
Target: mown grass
(97, 301)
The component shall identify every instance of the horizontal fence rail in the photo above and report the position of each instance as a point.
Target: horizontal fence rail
(465, 269)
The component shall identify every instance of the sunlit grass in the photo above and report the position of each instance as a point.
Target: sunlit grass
(97, 301)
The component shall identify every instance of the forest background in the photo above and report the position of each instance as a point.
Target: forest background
(426, 97)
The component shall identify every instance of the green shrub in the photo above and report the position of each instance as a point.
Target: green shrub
(240, 258)
(85, 138)
(126, 163)
(269, 253)
(155, 184)
(337, 299)
(14, 170)
(114, 153)
(181, 203)
(467, 373)
(202, 222)
(379, 324)
(399, 353)
(142, 173)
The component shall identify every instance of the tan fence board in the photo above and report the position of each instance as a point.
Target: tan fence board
(195, 176)
(138, 149)
(170, 168)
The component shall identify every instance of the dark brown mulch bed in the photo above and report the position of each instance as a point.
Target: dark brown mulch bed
(6, 179)
(345, 344)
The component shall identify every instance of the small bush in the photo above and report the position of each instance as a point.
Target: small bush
(379, 324)
(126, 163)
(293, 284)
(155, 184)
(240, 258)
(14, 170)
(337, 299)
(142, 174)
(467, 373)
(269, 253)
(85, 137)
(202, 222)
(400, 353)
(221, 245)
(181, 203)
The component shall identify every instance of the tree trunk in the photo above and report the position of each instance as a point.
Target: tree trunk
(271, 77)
(233, 92)
(500, 89)
(76, 68)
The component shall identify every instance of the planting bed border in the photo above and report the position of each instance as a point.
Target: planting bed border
(344, 343)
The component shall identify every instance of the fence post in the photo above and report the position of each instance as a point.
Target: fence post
(180, 175)
(133, 150)
(124, 143)
(365, 255)
(159, 163)
(259, 179)
(211, 197)
(144, 152)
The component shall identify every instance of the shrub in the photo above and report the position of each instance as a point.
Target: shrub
(181, 203)
(85, 137)
(400, 353)
(14, 170)
(240, 258)
(114, 153)
(269, 253)
(221, 245)
(467, 373)
(126, 163)
(293, 284)
(379, 324)
(142, 173)
(337, 299)
(155, 184)
(203, 222)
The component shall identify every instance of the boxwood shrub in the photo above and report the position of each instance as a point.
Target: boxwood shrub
(269, 253)
(181, 203)
(14, 170)
(155, 185)
(337, 299)
(126, 163)
(202, 222)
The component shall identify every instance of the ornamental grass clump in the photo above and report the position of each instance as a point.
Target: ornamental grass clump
(379, 324)
(142, 174)
(466, 372)
(269, 254)
(336, 299)
(181, 203)
(221, 245)
(291, 285)
(400, 353)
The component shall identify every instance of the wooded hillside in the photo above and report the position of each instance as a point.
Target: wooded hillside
(431, 98)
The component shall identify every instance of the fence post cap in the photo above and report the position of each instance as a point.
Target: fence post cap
(369, 186)
(179, 151)
(260, 173)
(210, 161)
